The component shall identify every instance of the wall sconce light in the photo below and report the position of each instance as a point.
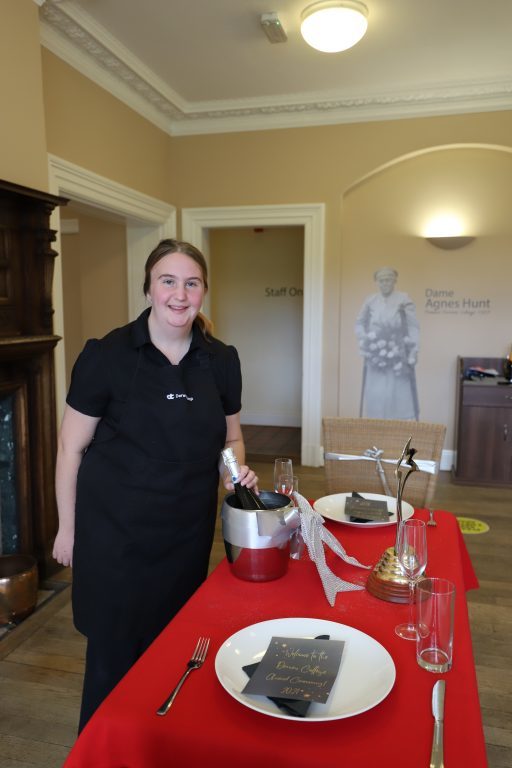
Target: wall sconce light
(446, 230)
(334, 25)
(450, 243)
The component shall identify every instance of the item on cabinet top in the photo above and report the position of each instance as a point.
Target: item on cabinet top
(477, 372)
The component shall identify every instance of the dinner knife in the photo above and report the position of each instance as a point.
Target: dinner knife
(436, 758)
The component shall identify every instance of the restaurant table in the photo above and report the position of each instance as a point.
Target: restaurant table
(207, 726)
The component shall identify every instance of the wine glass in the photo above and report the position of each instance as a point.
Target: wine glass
(283, 476)
(412, 555)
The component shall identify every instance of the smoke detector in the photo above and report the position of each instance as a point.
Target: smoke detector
(273, 28)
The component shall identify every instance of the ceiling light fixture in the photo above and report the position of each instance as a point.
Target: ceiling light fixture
(334, 25)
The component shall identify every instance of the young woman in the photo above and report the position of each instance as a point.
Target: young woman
(149, 410)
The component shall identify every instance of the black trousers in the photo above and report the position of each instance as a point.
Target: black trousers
(108, 658)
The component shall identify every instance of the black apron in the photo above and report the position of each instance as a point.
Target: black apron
(147, 499)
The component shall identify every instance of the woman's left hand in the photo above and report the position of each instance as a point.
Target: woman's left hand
(247, 477)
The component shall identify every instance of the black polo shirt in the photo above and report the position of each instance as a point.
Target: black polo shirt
(104, 370)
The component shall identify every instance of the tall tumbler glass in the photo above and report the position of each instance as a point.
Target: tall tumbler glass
(435, 604)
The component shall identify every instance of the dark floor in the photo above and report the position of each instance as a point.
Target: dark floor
(267, 443)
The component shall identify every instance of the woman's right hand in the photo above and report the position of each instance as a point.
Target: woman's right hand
(63, 547)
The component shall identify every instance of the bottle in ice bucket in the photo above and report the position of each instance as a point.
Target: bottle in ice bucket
(246, 496)
(256, 529)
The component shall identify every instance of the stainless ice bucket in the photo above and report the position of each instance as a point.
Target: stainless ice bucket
(258, 542)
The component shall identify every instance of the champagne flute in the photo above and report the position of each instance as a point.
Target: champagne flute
(284, 485)
(283, 476)
(412, 555)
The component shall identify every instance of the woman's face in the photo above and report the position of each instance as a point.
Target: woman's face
(386, 281)
(176, 291)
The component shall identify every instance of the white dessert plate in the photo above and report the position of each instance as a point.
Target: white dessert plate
(367, 672)
(333, 507)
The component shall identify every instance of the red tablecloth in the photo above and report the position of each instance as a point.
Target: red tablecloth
(206, 726)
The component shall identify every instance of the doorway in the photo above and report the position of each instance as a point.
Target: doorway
(256, 297)
(196, 226)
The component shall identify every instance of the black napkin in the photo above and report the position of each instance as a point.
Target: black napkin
(355, 518)
(288, 706)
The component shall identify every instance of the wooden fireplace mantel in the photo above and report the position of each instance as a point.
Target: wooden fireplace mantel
(27, 377)
(16, 347)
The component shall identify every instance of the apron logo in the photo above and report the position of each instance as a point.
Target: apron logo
(172, 396)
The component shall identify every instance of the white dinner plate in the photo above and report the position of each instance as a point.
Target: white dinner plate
(333, 507)
(366, 675)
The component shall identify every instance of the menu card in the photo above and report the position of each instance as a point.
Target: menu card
(364, 510)
(297, 668)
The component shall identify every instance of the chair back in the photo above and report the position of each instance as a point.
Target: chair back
(354, 436)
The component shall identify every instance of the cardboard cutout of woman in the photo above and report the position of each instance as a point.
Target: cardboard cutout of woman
(388, 332)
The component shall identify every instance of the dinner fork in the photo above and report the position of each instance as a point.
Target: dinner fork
(431, 520)
(195, 662)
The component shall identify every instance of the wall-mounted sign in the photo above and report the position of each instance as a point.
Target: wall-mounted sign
(284, 291)
(447, 302)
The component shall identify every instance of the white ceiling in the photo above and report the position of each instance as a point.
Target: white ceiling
(206, 66)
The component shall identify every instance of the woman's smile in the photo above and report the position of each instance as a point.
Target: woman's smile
(176, 291)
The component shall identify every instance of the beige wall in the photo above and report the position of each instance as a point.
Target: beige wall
(22, 130)
(323, 165)
(94, 278)
(256, 301)
(383, 219)
(87, 126)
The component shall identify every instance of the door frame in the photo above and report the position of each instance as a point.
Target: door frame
(196, 224)
(148, 220)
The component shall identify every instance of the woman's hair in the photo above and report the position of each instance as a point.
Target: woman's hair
(165, 247)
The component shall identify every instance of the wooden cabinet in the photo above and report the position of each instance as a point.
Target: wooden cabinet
(28, 431)
(484, 426)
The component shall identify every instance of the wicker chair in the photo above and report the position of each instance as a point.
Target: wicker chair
(355, 436)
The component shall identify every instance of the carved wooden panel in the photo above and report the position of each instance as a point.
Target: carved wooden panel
(27, 381)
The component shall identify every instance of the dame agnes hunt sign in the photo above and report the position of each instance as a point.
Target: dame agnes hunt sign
(447, 302)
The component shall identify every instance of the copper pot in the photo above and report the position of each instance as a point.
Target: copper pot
(18, 587)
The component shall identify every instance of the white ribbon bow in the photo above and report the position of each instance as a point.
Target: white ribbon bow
(425, 465)
(315, 535)
(375, 454)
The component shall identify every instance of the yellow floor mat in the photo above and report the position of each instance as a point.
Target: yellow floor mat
(470, 525)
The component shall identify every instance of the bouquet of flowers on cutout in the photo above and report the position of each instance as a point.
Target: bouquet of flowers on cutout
(387, 349)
